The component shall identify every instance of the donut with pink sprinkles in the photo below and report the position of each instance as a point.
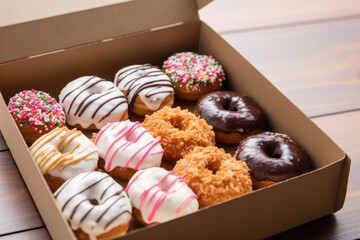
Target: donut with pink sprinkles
(191, 72)
(36, 110)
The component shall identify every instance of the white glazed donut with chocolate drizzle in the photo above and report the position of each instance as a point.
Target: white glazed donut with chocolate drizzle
(158, 196)
(95, 205)
(126, 147)
(147, 88)
(91, 102)
(62, 154)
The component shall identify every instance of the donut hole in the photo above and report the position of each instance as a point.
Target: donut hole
(273, 151)
(97, 89)
(177, 123)
(94, 202)
(230, 105)
(212, 167)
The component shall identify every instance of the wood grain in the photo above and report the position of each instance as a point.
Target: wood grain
(17, 209)
(40, 233)
(3, 145)
(228, 16)
(316, 66)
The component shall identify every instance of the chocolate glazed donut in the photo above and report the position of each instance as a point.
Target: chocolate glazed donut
(233, 116)
(272, 157)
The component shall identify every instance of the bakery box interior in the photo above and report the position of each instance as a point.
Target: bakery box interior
(258, 214)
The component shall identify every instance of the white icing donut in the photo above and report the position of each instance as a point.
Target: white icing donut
(127, 144)
(160, 196)
(92, 100)
(148, 82)
(112, 209)
(63, 153)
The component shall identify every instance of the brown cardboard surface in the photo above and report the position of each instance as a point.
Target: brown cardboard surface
(256, 215)
(57, 32)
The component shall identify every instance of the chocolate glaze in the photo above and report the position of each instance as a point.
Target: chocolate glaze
(272, 156)
(230, 112)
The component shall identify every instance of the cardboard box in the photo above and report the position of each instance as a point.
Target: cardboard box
(45, 54)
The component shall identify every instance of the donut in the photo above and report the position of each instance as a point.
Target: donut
(62, 154)
(146, 87)
(91, 102)
(35, 113)
(95, 206)
(272, 157)
(233, 116)
(158, 196)
(213, 175)
(179, 130)
(125, 147)
(193, 74)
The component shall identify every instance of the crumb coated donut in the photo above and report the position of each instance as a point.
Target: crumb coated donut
(272, 157)
(125, 147)
(213, 175)
(233, 116)
(158, 196)
(179, 130)
(95, 205)
(91, 102)
(63, 153)
(193, 74)
(146, 87)
(35, 113)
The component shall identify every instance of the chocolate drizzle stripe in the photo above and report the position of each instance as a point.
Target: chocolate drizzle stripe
(108, 100)
(86, 214)
(116, 200)
(144, 86)
(82, 102)
(131, 71)
(112, 110)
(87, 188)
(74, 99)
(92, 77)
(75, 209)
(103, 194)
(112, 220)
(90, 102)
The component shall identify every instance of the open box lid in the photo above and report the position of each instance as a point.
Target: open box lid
(30, 28)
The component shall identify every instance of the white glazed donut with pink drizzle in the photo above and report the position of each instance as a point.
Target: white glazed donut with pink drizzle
(128, 146)
(158, 196)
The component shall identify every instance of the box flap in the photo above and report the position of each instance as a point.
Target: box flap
(40, 27)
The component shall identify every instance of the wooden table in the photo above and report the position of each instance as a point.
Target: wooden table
(310, 50)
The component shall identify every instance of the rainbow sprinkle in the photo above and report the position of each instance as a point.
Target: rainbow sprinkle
(36, 108)
(191, 70)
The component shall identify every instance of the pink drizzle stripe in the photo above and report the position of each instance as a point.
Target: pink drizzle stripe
(116, 140)
(108, 166)
(157, 141)
(98, 136)
(156, 206)
(132, 156)
(184, 203)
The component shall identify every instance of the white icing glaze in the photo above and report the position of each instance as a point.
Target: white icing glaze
(63, 153)
(160, 196)
(128, 145)
(91, 100)
(148, 82)
(113, 209)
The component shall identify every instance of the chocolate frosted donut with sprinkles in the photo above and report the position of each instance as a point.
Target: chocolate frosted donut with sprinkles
(91, 102)
(36, 113)
(95, 205)
(193, 74)
(146, 87)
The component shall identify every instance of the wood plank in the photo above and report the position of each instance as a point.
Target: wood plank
(234, 15)
(316, 66)
(40, 233)
(344, 129)
(3, 145)
(17, 210)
